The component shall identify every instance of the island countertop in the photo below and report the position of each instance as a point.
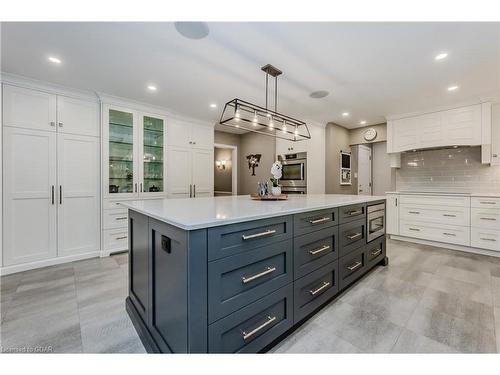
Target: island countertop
(206, 212)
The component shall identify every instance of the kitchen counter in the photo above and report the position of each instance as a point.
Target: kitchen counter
(493, 195)
(190, 214)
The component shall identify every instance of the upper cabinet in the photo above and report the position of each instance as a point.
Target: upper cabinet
(77, 116)
(185, 134)
(455, 127)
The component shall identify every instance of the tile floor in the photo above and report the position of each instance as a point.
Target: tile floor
(427, 300)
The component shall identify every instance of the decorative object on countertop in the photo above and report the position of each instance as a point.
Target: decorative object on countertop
(262, 189)
(250, 117)
(276, 171)
(269, 197)
(253, 161)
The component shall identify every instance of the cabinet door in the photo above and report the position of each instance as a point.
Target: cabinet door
(495, 134)
(404, 134)
(392, 214)
(120, 144)
(31, 109)
(202, 172)
(462, 126)
(179, 133)
(76, 116)
(29, 195)
(179, 172)
(78, 194)
(152, 167)
(202, 137)
(430, 130)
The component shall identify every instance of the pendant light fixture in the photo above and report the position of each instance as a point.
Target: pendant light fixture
(247, 116)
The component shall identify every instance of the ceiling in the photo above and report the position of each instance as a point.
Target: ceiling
(370, 69)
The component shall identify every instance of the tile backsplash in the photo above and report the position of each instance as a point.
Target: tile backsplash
(449, 170)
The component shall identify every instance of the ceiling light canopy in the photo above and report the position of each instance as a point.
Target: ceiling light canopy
(54, 60)
(192, 30)
(244, 115)
(319, 94)
(441, 56)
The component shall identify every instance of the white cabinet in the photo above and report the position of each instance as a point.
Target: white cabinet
(185, 134)
(392, 213)
(495, 134)
(404, 133)
(462, 126)
(76, 116)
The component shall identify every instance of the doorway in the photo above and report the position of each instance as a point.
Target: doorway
(225, 170)
(364, 170)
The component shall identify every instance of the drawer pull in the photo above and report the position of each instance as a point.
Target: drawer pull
(354, 266)
(449, 234)
(320, 250)
(376, 252)
(121, 238)
(258, 235)
(325, 285)
(268, 270)
(121, 218)
(248, 335)
(414, 212)
(355, 212)
(354, 236)
(488, 218)
(414, 229)
(487, 202)
(319, 221)
(489, 239)
(449, 215)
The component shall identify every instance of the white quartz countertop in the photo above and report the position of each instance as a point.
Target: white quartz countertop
(445, 193)
(197, 213)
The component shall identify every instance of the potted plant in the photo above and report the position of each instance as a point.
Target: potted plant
(276, 171)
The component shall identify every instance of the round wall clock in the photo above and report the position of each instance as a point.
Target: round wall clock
(370, 134)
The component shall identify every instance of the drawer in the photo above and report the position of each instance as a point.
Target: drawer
(351, 267)
(351, 236)
(375, 252)
(487, 218)
(442, 233)
(236, 281)
(115, 218)
(311, 291)
(112, 205)
(453, 215)
(484, 202)
(435, 200)
(237, 238)
(485, 239)
(255, 326)
(116, 239)
(312, 221)
(352, 212)
(314, 250)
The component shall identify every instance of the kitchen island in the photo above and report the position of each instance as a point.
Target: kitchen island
(230, 274)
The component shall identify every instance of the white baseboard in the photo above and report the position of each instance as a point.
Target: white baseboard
(107, 253)
(450, 246)
(7, 270)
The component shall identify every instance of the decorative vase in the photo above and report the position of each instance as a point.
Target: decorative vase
(276, 190)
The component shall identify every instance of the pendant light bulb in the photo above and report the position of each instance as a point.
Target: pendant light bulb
(271, 123)
(237, 114)
(255, 120)
(284, 127)
(296, 131)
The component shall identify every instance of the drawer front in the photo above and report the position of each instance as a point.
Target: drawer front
(236, 281)
(351, 236)
(485, 239)
(351, 267)
(312, 221)
(351, 213)
(375, 252)
(116, 239)
(311, 291)
(237, 238)
(487, 218)
(314, 250)
(441, 233)
(253, 327)
(113, 219)
(434, 200)
(453, 215)
(485, 202)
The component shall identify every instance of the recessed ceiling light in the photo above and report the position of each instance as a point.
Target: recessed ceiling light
(213, 105)
(192, 30)
(345, 114)
(54, 60)
(319, 94)
(362, 122)
(152, 88)
(453, 88)
(441, 56)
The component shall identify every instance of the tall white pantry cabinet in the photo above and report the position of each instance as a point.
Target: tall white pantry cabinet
(50, 177)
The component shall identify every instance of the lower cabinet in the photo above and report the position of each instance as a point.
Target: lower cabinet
(375, 252)
(351, 267)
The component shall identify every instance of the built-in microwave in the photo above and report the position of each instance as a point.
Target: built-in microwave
(375, 221)
(294, 172)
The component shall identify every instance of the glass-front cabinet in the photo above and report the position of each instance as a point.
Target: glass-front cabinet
(134, 148)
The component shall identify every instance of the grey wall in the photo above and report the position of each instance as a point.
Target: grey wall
(356, 136)
(336, 139)
(383, 176)
(223, 177)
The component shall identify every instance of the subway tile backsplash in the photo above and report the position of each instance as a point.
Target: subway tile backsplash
(456, 170)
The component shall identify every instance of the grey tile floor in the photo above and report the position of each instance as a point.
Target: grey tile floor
(428, 300)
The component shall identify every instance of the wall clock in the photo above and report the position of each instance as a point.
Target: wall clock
(370, 134)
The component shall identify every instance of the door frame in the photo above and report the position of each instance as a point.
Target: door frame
(369, 148)
(234, 165)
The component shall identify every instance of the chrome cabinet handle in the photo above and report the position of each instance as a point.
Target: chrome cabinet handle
(354, 266)
(120, 238)
(414, 229)
(449, 215)
(325, 285)
(190, 191)
(136, 187)
(414, 212)
(356, 212)
(52, 194)
(268, 270)
(140, 189)
(318, 221)
(487, 202)
(52, 123)
(320, 250)
(194, 189)
(121, 218)
(488, 218)
(269, 320)
(258, 235)
(495, 155)
(376, 252)
(60, 194)
(353, 236)
(449, 234)
(488, 239)
(60, 124)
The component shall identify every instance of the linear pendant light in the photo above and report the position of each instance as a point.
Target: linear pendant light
(250, 117)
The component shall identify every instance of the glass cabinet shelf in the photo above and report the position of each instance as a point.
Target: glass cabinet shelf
(153, 130)
(121, 152)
